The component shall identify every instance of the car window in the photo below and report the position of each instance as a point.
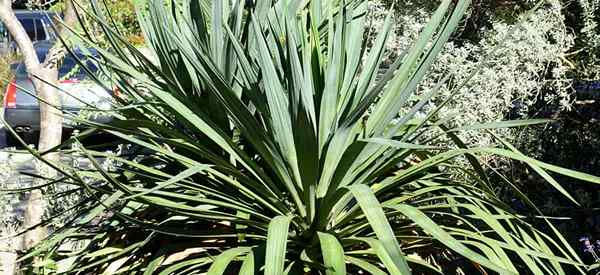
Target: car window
(40, 34)
(34, 28)
(29, 26)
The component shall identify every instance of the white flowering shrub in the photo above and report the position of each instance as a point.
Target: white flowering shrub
(9, 205)
(590, 26)
(528, 67)
(586, 54)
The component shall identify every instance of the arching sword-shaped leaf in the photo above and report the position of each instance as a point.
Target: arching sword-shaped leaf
(378, 221)
(277, 238)
(333, 254)
(221, 262)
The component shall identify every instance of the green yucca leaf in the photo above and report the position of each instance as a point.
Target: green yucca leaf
(221, 262)
(248, 265)
(376, 217)
(365, 265)
(276, 245)
(178, 267)
(396, 95)
(439, 234)
(502, 124)
(333, 254)
(153, 266)
(262, 138)
(185, 174)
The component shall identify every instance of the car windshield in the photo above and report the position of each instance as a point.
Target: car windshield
(70, 69)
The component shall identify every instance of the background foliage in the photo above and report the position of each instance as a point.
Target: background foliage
(554, 50)
(529, 68)
(121, 12)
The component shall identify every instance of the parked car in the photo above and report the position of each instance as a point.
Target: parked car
(21, 107)
(37, 24)
(587, 89)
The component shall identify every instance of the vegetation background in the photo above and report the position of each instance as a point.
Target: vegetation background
(534, 76)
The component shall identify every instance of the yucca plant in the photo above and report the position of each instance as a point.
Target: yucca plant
(261, 139)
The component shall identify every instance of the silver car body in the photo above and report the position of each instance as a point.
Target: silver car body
(22, 111)
(76, 96)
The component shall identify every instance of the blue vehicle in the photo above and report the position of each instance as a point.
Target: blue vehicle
(37, 24)
(21, 107)
(587, 90)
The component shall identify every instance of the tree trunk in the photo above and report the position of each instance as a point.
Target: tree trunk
(50, 108)
(51, 121)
